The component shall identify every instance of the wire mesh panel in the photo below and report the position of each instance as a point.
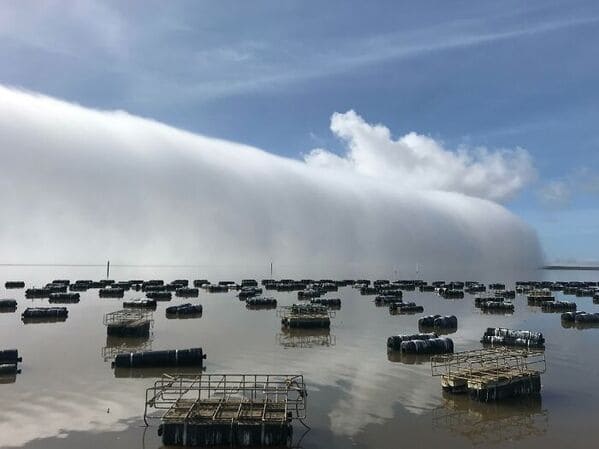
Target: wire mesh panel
(227, 398)
(305, 310)
(491, 374)
(127, 316)
(488, 363)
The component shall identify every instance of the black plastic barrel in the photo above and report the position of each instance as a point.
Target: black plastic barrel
(37, 292)
(14, 284)
(497, 305)
(409, 307)
(159, 295)
(510, 337)
(57, 298)
(140, 304)
(186, 292)
(45, 312)
(558, 306)
(438, 321)
(270, 302)
(8, 304)
(10, 356)
(159, 359)
(441, 345)
(569, 316)
(394, 342)
(8, 369)
(112, 292)
(586, 317)
(184, 309)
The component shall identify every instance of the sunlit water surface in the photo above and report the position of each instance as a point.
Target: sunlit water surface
(68, 396)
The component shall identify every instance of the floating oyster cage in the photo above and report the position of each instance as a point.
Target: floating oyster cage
(226, 409)
(129, 323)
(491, 373)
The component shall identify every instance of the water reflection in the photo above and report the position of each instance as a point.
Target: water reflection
(189, 316)
(8, 378)
(119, 345)
(579, 326)
(403, 312)
(41, 320)
(437, 330)
(8, 310)
(155, 373)
(408, 359)
(492, 423)
(306, 338)
(496, 312)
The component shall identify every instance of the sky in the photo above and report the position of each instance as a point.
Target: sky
(494, 100)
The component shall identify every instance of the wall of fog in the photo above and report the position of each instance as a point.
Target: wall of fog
(82, 186)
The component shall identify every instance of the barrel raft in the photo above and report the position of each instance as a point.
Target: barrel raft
(160, 359)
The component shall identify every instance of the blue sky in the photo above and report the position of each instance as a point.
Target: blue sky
(270, 74)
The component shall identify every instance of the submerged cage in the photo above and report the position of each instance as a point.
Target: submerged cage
(226, 409)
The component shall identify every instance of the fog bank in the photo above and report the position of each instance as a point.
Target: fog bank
(80, 186)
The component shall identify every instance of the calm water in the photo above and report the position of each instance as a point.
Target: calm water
(68, 396)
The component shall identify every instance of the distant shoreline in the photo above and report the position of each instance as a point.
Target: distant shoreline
(571, 267)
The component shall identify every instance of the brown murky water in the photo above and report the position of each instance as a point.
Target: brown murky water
(68, 396)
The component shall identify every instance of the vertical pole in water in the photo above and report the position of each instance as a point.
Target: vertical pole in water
(107, 269)
(271, 269)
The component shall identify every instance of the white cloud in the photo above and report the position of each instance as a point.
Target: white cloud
(80, 185)
(419, 162)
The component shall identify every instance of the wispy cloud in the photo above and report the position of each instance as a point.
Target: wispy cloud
(355, 53)
(559, 193)
(198, 61)
(555, 194)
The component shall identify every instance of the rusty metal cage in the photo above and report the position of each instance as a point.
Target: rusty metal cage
(126, 316)
(228, 398)
(305, 310)
(489, 364)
